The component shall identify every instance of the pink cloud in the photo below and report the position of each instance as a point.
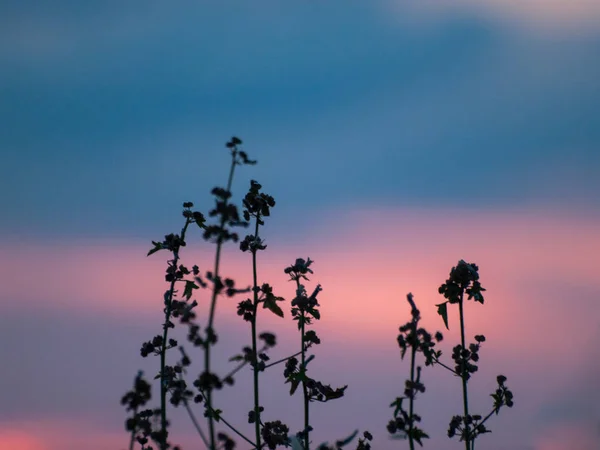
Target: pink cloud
(568, 436)
(366, 269)
(53, 434)
(19, 440)
(537, 268)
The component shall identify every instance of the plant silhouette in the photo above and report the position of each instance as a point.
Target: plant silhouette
(148, 427)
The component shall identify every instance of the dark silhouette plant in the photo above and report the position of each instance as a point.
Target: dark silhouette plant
(464, 279)
(150, 426)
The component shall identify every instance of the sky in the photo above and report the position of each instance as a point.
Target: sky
(397, 138)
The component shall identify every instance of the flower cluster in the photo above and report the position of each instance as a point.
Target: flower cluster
(275, 433)
(463, 278)
(470, 426)
(466, 359)
(257, 204)
(140, 424)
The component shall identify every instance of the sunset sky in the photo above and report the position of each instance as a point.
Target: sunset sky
(397, 138)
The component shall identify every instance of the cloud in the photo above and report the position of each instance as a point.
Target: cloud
(391, 111)
(89, 304)
(568, 436)
(73, 433)
(552, 16)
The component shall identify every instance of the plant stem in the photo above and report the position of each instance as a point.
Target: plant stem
(413, 355)
(132, 441)
(437, 361)
(240, 366)
(254, 345)
(303, 368)
(231, 427)
(463, 378)
(195, 422)
(163, 350)
(213, 304)
(282, 360)
(243, 364)
(304, 388)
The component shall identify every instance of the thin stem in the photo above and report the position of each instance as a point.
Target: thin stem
(437, 361)
(163, 350)
(213, 304)
(231, 427)
(463, 378)
(195, 422)
(485, 419)
(304, 387)
(283, 360)
(413, 355)
(241, 366)
(132, 441)
(254, 346)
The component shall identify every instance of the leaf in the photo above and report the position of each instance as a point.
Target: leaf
(189, 288)
(272, 306)
(418, 435)
(347, 440)
(315, 313)
(398, 404)
(295, 384)
(157, 246)
(236, 358)
(296, 445)
(309, 359)
(443, 311)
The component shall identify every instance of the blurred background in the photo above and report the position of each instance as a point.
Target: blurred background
(397, 137)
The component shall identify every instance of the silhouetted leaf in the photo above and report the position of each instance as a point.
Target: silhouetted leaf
(272, 306)
(189, 288)
(347, 440)
(157, 246)
(443, 311)
(397, 404)
(295, 383)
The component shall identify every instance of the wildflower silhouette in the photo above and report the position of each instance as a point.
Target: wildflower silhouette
(147, 426)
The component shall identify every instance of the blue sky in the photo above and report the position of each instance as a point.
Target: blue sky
(106, 105)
